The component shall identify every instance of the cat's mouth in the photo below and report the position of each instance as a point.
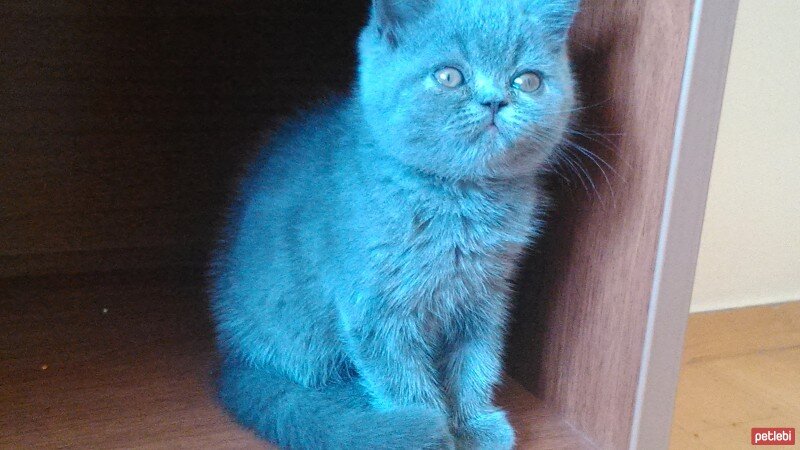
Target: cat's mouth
(492, 132)
(490, 121)
(492, 127)
(495, 134)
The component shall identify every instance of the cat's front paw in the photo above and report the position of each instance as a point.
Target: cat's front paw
(489, 431)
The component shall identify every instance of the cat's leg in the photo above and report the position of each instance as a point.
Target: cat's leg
(394, 361)
(471, 372)
(394, 364)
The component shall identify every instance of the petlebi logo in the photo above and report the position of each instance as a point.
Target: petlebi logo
(772, 436)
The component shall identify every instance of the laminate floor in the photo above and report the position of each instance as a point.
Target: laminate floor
(741, 370)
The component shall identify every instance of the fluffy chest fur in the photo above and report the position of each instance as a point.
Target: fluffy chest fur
(451, 248)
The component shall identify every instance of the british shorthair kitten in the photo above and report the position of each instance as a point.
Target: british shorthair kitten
(361, 291)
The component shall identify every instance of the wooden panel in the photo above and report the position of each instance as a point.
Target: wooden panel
(580, 324)
(127, 361)
(123, 123)
(696, 126)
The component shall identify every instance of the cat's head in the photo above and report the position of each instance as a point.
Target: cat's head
(467, 88)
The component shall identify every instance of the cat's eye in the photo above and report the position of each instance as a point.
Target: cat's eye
(449, 77)
(528, 82)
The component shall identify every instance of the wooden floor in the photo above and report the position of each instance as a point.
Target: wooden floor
(741, 369)
(127, 361)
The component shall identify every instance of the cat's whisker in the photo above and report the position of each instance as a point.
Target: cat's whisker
(587, 175)
(593, 105)
(606, 143)
(575, 171)
(603, 140)
(553, 168)
(572, 111)
(591, 155)
(594, 159)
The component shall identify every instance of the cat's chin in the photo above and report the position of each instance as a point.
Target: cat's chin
(494, 140)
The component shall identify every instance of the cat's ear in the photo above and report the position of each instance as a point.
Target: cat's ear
(392, 16)
(555, 16)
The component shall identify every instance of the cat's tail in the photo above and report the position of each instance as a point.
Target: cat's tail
(336, 418)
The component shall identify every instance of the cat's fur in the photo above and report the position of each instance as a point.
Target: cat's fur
(362, 289)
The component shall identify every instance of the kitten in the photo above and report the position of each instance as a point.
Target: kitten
(361, 293)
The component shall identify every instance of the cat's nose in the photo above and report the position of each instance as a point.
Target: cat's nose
(495, 105)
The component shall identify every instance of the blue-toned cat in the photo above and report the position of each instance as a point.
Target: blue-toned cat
(361, 292)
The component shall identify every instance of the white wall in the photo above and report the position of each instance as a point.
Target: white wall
(750, 249)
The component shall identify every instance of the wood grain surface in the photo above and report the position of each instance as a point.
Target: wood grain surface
(127, 361)
(740, 371)
(736, 332)
(580, 324)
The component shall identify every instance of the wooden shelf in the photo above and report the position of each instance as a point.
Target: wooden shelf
(141, 374)
(125, 125)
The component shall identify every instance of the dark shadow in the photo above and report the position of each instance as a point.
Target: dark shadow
(126, 123)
